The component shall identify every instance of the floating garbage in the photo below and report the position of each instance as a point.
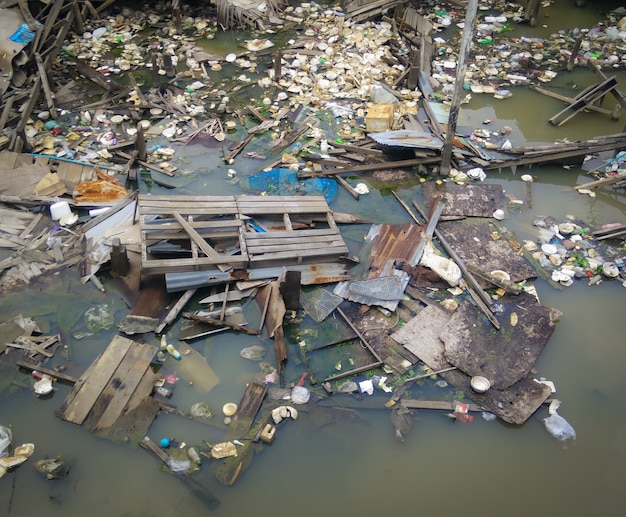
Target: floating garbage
(558, 427)
(20, 455)
(5, 439)
(253, 352)
(229, 409)
(223, 450)
(285, 182)
(53, 468)
(282, 412)
(300, 395)
(44, 385)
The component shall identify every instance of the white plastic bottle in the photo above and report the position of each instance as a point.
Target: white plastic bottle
(173, 352)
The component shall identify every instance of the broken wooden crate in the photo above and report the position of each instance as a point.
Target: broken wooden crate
(191, 233)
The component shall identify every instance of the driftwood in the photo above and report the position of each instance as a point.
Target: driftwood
(221, 323)
(175, 310)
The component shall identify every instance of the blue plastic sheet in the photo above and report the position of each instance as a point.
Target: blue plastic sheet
(285, 182)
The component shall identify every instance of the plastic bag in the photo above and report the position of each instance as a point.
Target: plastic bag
(178, 465)
(5, 440)
(558, 427)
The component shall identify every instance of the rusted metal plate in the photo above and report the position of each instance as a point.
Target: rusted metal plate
(393, 242)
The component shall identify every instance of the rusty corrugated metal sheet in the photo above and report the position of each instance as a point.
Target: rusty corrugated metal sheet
(393, 242)
(390, 243)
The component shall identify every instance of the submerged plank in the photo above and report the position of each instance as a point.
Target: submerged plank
(124, 382)
(86, 391)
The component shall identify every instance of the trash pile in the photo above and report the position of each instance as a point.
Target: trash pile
(500, 60)
(569, 250)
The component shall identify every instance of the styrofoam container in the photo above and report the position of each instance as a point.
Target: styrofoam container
(59, 210)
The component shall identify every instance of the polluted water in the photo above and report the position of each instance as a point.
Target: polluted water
(353, 461)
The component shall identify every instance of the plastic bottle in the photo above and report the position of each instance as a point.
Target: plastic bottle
(173, 352)
(194, 456)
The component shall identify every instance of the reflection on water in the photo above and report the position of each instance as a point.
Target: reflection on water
(350, 463)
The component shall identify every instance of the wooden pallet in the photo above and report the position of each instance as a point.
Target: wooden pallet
(291, 244)
(236, 232)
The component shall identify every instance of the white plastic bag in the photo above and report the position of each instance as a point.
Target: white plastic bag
(558, 427)
(5, 440)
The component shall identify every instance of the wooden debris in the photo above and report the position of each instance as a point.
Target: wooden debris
(211, 501)
(116, 384)
(221, 323)
(221, 219)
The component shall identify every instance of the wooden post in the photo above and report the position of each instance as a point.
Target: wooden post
(532, 11)
(78, 17)
(176, 13)
(43, 74)
(140, 144)
(119, 258)
(414, 70)
(278, 57)
(468, 30)
(572, 58)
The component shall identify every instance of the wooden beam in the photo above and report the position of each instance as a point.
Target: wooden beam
(466, 40)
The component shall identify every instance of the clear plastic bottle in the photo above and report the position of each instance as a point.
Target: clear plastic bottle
(194, 456)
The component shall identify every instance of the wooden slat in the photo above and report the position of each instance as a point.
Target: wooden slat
(156, 236)
(189, 210)
(196, 237)
(251, 236)
(286, 240)
(295, 246)
(130, 372)
(187, 262)
(171, 225)
(331, 252)
(149, 199)
(90, 385)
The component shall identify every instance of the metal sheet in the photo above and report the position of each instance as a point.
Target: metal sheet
(312, 274)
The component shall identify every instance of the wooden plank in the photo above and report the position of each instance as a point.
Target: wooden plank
(198, 225)
(248, 408)
(156, 236)
(289, 255)
(296, 246)
(153, 199)
(90, 385)
(209, 499)
(129, 374)
(205, 261)
(196, 237)
(605, 181)
(252, 236)
(270, 240)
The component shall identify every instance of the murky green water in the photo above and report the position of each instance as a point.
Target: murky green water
(350, 467)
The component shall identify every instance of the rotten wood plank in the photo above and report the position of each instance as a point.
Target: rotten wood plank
(86, 391)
